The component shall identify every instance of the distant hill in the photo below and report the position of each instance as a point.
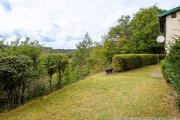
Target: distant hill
(50, 49)
(67, 52)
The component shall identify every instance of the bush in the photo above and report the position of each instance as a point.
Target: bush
(123, 62)
(173, 58)
(15, 74)
(171, 67)
(165, 69)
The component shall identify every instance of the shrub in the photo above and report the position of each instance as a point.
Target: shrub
(15, 74)
(165, 69)
(54, 62)
(173, 59)
(123, 62)
(171, 67)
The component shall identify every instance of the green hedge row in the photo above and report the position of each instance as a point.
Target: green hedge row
(123, 62)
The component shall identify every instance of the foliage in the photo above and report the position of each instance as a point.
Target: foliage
(144, 26)
(88, 58)
(31, 49)
(71, 75)
(133, 93)
(122, 29)
(62, 64)
(15, 74)
(135, 35)
(49, 62)
(118, 39)
(171, 66)
(129, 36)
(37, 84)
(81, 55)
(166, 70)
(173, 58)
(54, 62)
(97, 60)
(123, 62)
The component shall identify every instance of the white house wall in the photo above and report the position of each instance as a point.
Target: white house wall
(172, 27)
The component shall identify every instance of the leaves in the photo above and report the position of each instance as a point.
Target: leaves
(15, 73)
(135, 35)
(54, 62)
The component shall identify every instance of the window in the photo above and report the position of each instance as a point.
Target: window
(173, 15)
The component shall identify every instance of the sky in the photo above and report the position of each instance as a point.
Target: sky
(61, 24)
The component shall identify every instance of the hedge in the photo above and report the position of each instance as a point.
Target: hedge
(121, 62)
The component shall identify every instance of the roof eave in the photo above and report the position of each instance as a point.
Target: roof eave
(170, 11)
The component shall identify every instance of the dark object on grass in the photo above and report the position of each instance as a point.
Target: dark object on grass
(109, 71)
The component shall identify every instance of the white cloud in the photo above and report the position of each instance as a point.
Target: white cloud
(5, 5)
(63, 23)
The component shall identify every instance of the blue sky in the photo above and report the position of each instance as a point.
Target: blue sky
(63, 23)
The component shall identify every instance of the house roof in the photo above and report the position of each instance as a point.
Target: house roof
(162, 18)
(170, 11)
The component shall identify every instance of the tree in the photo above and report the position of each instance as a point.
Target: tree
(31, 49)
(86, 43)
(55, 62)
(62, 63)
(81, 55)
(137, 35)
(15, 72)
(121, 30)
(97, 60)
(118, 39)
(144, 25)
(49, 62)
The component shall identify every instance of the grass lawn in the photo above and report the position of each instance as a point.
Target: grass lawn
(135, 93)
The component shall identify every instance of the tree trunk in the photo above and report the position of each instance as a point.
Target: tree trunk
(22, 94)
(59, 79)
(16, 97)
(11, 98)
(50, 82)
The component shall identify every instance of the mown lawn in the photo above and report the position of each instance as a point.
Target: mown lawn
(134, 93)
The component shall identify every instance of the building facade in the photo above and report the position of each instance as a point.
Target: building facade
(169, 25)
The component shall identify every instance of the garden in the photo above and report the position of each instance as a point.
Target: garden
(36, 83)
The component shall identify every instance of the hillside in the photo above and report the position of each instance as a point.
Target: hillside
(135, 93)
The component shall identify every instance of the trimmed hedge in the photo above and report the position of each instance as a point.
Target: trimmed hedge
(123, 62)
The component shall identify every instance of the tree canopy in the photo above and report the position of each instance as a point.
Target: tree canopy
(135, 35)
(15, 72)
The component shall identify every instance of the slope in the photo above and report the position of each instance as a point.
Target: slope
(135, 93)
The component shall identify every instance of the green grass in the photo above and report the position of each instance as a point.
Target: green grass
(134, 93)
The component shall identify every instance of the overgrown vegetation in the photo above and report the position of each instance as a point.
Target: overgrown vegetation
(15, 74)
(54, 62)
(88, 58)
(24, 68)
(171, 66)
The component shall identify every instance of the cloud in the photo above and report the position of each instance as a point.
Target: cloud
(6, 5)
(70, 38)
(47, 39)
(63, 23)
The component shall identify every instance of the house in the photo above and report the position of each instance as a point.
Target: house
(169, 25)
